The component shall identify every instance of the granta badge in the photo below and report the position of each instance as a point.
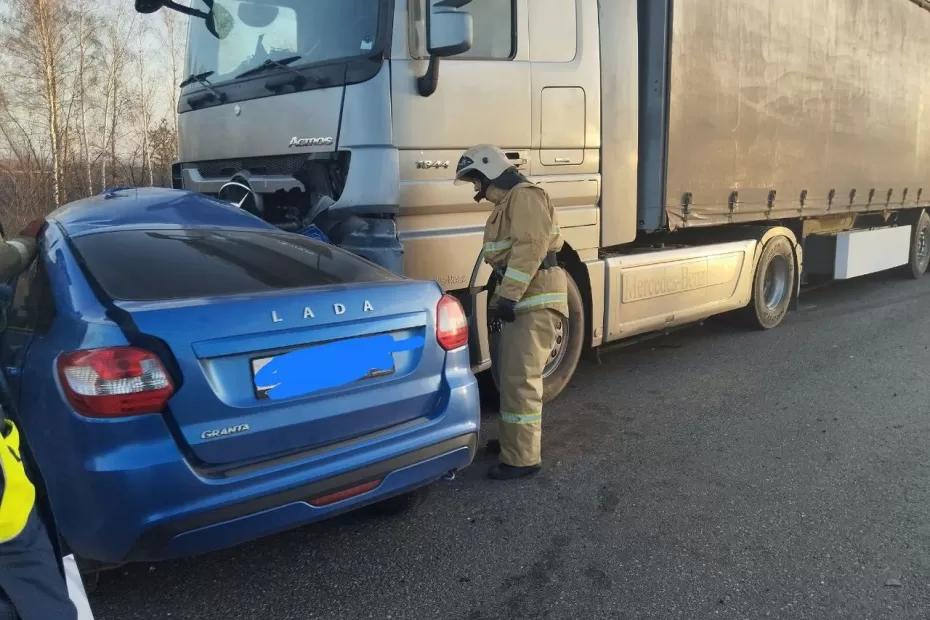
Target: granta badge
(225, 432)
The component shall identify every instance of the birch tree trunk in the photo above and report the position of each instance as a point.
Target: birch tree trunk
(45, 11)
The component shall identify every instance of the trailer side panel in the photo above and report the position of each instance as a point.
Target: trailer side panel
(796, 108)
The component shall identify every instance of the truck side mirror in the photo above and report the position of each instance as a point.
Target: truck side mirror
(449, 32)
(148, 6)
(219, 20)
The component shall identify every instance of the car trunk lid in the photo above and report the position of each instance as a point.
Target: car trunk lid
(268, 375)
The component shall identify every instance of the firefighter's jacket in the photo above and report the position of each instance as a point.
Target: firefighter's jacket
(521, 232)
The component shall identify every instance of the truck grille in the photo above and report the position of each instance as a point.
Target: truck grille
(286, 165)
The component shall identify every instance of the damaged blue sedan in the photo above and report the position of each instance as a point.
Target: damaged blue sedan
(190, 377)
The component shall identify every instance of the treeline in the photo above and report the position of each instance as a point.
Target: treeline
(87, 100)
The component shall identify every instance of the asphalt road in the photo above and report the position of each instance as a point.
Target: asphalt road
(718, 472)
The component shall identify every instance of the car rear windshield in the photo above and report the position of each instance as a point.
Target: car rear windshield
(182, 264)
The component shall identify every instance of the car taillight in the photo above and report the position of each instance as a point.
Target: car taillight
(115, 382)
(451, 324)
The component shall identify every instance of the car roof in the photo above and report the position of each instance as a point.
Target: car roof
(151, 208)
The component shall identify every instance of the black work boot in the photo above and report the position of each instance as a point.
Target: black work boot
(509, 472)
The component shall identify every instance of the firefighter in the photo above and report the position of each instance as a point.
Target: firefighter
(30, 576)
(521, 242)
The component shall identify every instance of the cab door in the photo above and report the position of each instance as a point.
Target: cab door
(566, 112)
(483, 97)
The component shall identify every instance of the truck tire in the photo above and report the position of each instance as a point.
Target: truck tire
(566, 352)
(920, 247)
(772, 285)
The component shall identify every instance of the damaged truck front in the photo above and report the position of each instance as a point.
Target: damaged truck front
(286, 111)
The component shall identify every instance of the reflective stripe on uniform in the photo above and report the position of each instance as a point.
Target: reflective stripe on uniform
(521, 418)
(542, 300)
(517, 275)
(19, 495)
(498, 246)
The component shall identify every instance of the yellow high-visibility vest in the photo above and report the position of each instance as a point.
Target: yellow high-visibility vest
(19, 495)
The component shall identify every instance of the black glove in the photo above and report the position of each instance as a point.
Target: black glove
(506, 310)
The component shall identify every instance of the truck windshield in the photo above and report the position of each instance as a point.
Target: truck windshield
(266, 32)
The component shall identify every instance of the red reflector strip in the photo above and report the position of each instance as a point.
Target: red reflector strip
(338, 496)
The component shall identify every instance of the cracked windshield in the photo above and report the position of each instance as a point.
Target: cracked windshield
(295, 33)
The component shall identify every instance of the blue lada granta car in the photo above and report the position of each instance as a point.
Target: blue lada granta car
(189, 377)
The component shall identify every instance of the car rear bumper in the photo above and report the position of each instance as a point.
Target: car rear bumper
(269, 514)
(144, 501)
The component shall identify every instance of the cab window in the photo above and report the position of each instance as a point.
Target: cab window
(495, 29)
(495, 35)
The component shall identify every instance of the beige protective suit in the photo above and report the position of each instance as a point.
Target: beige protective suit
(520, 233)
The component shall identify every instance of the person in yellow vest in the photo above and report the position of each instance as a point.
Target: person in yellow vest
(30, 576)
(521, 243)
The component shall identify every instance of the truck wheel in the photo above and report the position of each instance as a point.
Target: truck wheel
(566, 350)
(773, 285)
(920, 247)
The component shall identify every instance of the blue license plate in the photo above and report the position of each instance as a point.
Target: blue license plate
(308, 370)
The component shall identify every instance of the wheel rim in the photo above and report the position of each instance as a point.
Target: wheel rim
(776, 286)
(556, 354)
(923, 247)
(560, 346)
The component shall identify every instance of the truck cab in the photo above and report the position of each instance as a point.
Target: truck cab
(320, 109)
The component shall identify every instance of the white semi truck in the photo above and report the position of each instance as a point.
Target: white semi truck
(697, 150)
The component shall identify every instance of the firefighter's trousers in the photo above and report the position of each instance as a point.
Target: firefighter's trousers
(525, 346)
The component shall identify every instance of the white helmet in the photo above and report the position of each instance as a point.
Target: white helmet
(479, 161)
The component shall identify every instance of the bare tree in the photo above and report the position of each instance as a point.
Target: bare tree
(143, 97)
(87, 99)
(85, 44)
(39, 45)
(175, 50)
(117, 33)
(164, 144)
